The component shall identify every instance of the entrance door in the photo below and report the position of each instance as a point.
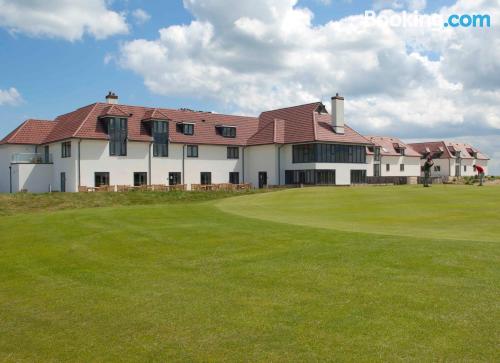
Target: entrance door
(174, 178)
(457, 170)
(262, 179)
(100, 179)
(140, 179)
(63, 182)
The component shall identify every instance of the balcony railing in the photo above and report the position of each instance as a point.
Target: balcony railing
(31, 158)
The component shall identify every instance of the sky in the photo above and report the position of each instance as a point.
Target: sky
(414, 82)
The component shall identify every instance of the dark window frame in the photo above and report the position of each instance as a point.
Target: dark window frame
(205, 178)
(140, 178)
(387, 167)
(102, 174)
(118, 135)
(328, 153)
(234, 177)
(310, 177)
(226, 131)
(185, 128)
(401, 167)
(192, 151)
(233, 152)
(159, 131)
(66, 149)
(174, 178)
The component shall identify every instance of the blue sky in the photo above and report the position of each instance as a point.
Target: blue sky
(391, 77)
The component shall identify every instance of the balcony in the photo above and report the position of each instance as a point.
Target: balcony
(31, 158)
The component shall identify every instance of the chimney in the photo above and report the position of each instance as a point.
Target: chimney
(338, 114)
(112, 98)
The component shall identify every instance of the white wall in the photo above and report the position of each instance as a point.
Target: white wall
(411, 163)
(6, 152)
(211, 158)
(262, 158)
(34, 178)
(63, 165)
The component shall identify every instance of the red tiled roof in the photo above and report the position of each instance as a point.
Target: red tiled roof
(84, 123)
(113, 110)
(388, 146)
(466, 151)
(30, 132)
(434, 147)
(301, 124)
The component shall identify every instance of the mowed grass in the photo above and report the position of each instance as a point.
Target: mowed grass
(190, 282)
(443, 211)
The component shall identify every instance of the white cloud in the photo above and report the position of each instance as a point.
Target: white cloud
(410, 5)
(140, 16)
(10, 97)
(67, 19)
(264, 54)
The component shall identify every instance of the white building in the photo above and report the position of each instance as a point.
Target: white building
(112, 144)
(392, 157)
(451, 159)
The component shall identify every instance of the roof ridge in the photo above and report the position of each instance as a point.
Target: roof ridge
(289, 107)
(85, 120)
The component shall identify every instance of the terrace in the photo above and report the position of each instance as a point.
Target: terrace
(31, 158)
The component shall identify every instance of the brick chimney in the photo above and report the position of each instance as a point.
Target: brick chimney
(338, 114)
(112, 98)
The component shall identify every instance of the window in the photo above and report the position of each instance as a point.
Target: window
(117, 131)
(226, 131)
(233, 152)
(192, 151)
(376, 169)
(319, 177)
(437, 168)
(329, 153)
(376, 156)
(101, 178)
(160, 138)
(387, 167)
(185, 128)
(205, 178)
(401, 167)
(66, 149)
(465, 168)
(174, 178)
(234, 177)
(140, 178)
(358, 176)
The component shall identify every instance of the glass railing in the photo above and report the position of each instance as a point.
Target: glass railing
(31, 158)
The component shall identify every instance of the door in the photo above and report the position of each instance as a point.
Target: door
(358, 176)
(46, 154)
(140, 178)
(457, 170)
(174, 178)
(63, 182)
(262, 179)
(206, 178)
(100, 179)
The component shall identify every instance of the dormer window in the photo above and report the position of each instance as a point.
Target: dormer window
(185, 128)
(159, 131)
(226, 131)
(116, 128)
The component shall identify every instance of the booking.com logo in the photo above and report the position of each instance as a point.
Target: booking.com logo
(405, 19)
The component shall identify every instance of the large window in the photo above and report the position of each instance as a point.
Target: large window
(320, 177)
(234, 177)
(117, 130)
(233, 152)
(66, 149)
(192, 151)
(329, 153)
(101, 178)
(160, 138)
(205, 178)
(358, 176)
(140, 178)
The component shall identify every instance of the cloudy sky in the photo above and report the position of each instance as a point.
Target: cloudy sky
(415, 82)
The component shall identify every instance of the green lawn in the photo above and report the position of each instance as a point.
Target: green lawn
(200, 281)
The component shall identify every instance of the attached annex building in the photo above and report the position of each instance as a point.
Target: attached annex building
(113, 144)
